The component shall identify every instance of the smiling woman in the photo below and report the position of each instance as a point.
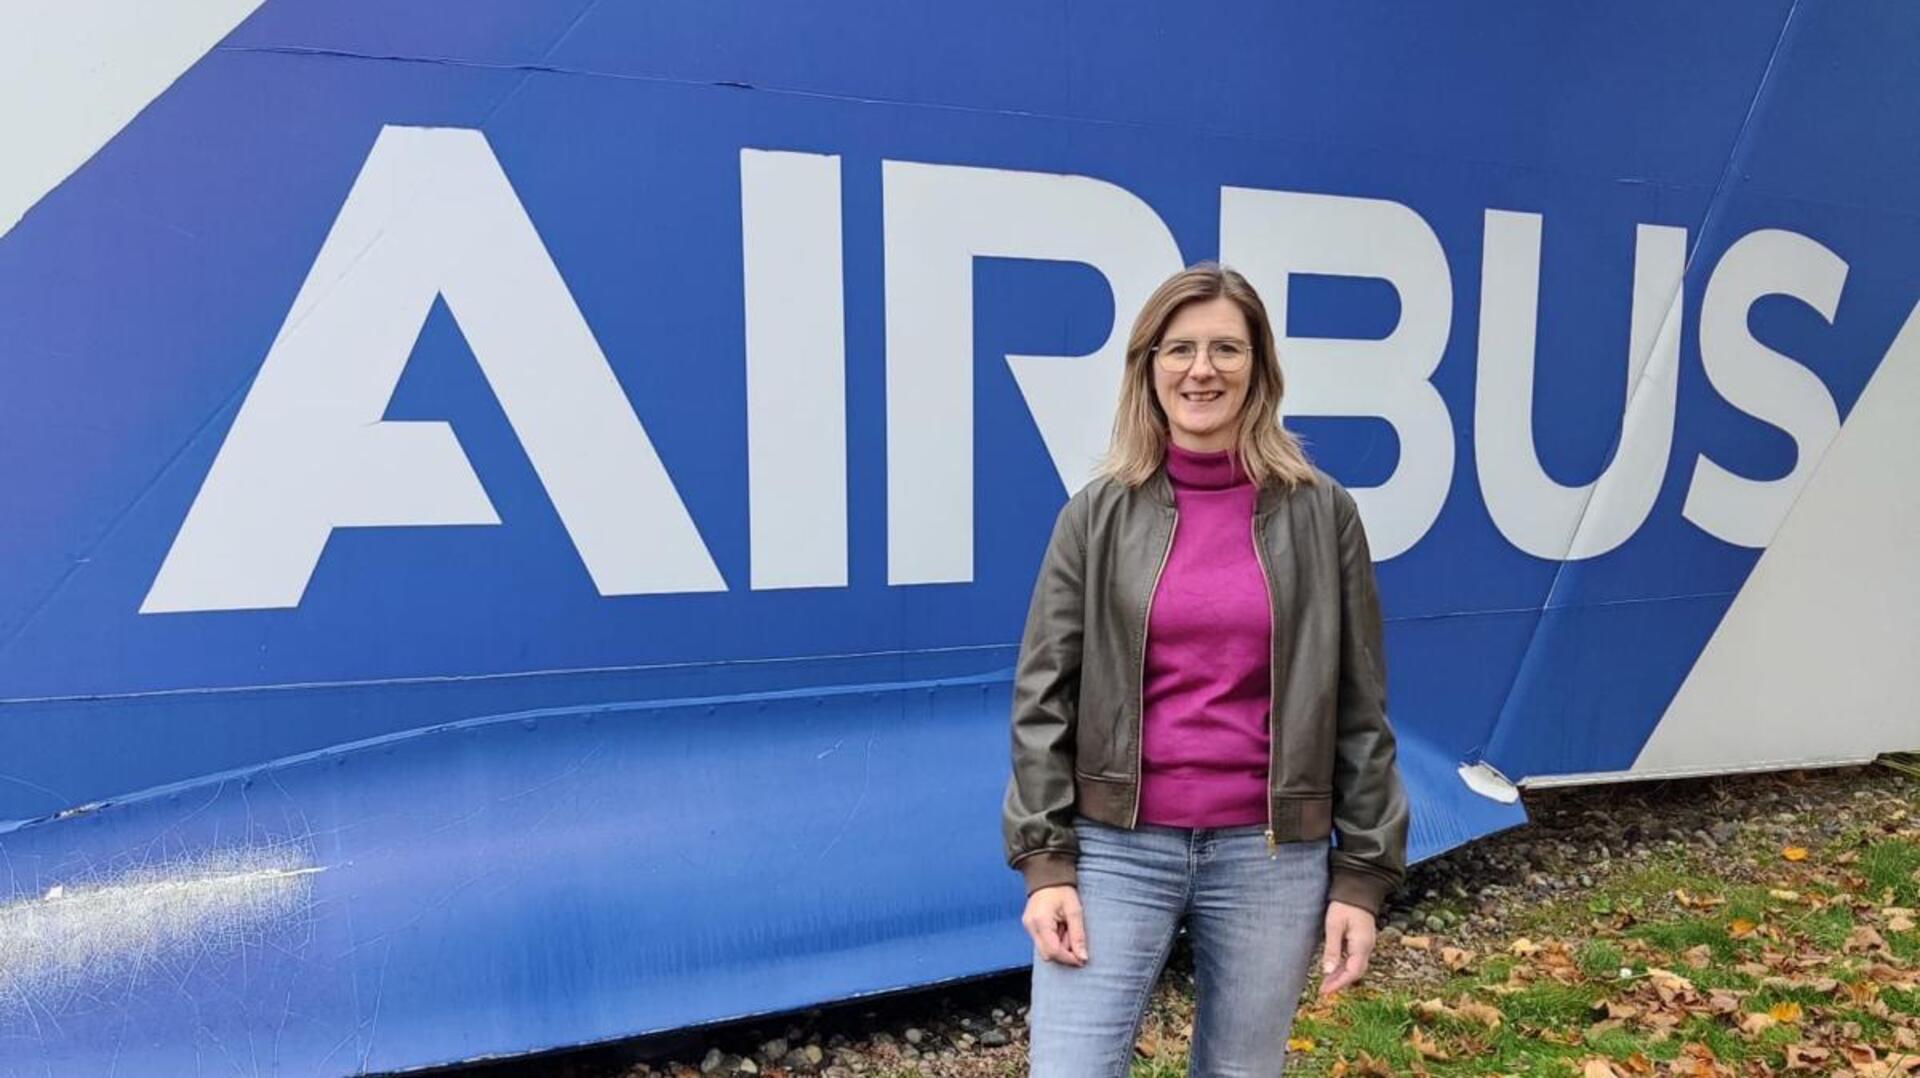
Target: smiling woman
(1200, 374)
(1148, 787)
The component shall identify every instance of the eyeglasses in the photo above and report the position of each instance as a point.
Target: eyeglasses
(1225, 354)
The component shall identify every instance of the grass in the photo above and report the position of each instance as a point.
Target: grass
(1774, 926)
(1550, 1006)
(1678, 937)
(1827, 928)
(1600, 959)
(1890, 868)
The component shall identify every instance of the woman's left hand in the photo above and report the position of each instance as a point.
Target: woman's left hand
(1348, 947)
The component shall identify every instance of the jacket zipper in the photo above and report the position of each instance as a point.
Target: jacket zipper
(1273, 675)
(1140, 721)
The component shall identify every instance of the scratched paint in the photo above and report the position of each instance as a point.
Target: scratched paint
(93, 932)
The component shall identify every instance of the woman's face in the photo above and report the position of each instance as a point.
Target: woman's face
(1203, 402)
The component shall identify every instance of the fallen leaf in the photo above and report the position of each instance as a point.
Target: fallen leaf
(1806, 1057)
(1417, 943)
(1661, 1022)
(1668, 984)
(1597, 1068)
(1600, 1029)
(1900, 922)
(1424, 1044)
(1613, 1008)
(1299, 1044)
(1698, 957)
(1523, 948)
(1783, 895)
(1432, 1010)
(1755, 1022)
(1890, 975)
(1698, 1060)
(1785, 1011)
(1741, 928)
(1455, 958)
(1864, 938)
(1557, 963)
(1794, 853)
(1475, 1011)
(1901, 1064)
(1554, 1036)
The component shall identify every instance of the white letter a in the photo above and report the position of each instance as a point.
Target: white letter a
(431, 215)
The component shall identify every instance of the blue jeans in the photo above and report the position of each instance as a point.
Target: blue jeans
(1255, 918)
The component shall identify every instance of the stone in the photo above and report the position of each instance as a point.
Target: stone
(995, 1038)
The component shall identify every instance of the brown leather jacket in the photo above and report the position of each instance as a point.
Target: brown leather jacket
(1077, 696)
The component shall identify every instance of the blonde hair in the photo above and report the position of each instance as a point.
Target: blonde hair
(1268, 452)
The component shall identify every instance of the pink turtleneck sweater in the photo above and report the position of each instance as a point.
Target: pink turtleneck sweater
(1204, 741)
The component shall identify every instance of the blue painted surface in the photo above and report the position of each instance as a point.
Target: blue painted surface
(596, 871)
(625, 864)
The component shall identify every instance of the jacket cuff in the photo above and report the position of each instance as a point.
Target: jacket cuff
(1048, 868)
(1356, 888)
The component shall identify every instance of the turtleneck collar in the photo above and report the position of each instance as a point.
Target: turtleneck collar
(1204, 471)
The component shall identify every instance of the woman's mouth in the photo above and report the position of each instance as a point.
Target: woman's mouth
(1203, 398)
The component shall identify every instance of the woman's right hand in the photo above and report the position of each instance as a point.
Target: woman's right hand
(1053, 920)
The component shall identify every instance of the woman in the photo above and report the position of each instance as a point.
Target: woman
(1199, 705)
